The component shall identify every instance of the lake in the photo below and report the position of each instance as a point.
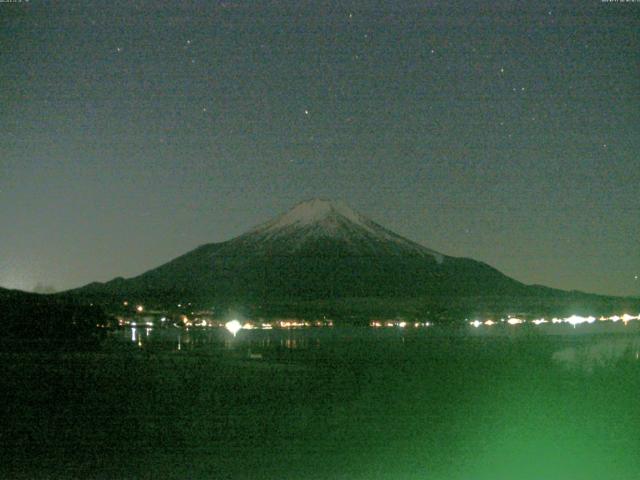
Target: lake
(329, 403)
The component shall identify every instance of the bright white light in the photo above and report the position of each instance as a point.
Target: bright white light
(476, 323)
(577, 319)
(514, 321)
(626, 317)
(402, 324)
(556, 320)
(615, 318)
(539, 321)
(139, 308)
(248, 326)
(233, 326)
(489, 323)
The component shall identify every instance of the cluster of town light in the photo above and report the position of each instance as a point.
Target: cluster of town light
(234, 326)
(572, 320)
(185, 321)
(397, 323)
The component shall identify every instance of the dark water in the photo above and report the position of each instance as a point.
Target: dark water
(327, 403)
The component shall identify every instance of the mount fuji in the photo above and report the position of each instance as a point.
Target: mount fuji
(319, 251)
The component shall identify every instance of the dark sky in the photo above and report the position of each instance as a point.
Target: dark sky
(132, 132)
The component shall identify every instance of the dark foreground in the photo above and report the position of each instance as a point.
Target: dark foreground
(356, 407)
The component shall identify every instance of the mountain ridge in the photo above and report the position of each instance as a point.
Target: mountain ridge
(318, 251)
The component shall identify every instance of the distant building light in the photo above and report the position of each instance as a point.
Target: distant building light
(233, 326)
(140, 308)
(577, 319)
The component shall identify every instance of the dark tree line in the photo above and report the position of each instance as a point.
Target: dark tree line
(44, 319)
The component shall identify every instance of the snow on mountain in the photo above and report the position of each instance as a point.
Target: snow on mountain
(318, 250)
(313, 212)
(319, 218)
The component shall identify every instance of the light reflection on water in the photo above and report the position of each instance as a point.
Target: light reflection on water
(220, 340)
(584, 349)
(598, 353)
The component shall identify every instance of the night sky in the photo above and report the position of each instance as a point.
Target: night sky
(508, 132)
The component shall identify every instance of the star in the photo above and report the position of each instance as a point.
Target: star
(118, 49)
(306, 112)
(501, 69)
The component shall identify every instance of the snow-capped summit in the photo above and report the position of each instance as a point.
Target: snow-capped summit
(312, 212)
(316, 219)
(320, 249)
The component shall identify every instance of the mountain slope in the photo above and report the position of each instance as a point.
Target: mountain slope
(318, 250)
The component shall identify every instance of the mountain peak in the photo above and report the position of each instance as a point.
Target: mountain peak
(312, 212)
(324, 219)
(319, 209)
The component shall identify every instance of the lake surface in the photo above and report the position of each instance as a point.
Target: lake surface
(325, 403)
